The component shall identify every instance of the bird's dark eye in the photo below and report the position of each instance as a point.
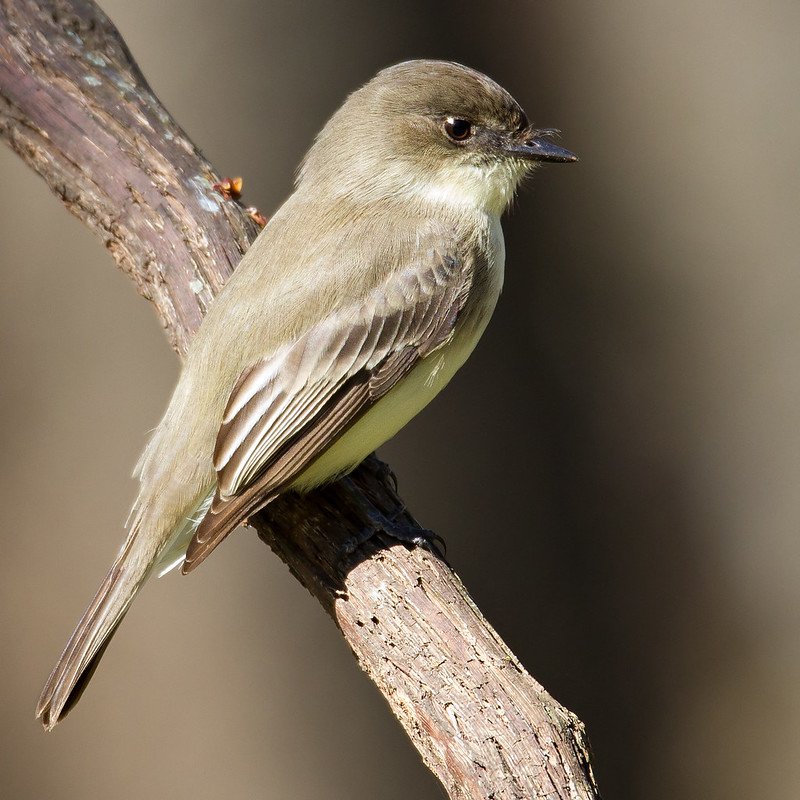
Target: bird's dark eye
(457, 129)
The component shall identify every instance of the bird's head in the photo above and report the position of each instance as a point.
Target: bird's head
(431, 130)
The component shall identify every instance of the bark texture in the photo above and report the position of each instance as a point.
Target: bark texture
(75, 107)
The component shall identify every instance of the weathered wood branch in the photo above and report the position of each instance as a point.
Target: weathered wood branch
(75, 107)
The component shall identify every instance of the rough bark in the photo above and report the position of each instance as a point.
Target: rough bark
(75, 107)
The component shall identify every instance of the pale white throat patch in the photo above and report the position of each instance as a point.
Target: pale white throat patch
(488, 188)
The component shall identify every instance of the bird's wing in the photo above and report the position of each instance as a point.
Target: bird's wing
(285, 410)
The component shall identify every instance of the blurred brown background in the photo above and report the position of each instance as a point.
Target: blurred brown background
(616, 471)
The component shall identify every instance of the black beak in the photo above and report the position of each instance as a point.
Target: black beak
(536, 147)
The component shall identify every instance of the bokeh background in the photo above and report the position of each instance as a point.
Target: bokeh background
(616, 471)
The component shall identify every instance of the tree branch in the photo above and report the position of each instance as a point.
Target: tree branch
(75, 107)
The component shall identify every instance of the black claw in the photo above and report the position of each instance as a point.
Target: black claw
(387, 473)
(420, 537)
(405, 532)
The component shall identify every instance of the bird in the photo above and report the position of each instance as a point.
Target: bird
(356, 304)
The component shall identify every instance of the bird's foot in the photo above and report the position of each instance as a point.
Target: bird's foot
(405, 532)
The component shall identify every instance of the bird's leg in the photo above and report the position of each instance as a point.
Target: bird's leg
(386, 473)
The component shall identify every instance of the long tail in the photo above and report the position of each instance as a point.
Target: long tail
(91, 637)
(145, 551)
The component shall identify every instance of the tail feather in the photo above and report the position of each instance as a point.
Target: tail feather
(91, 637)
(153, 545)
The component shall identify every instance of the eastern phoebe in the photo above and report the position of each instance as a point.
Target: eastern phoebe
(353, 308)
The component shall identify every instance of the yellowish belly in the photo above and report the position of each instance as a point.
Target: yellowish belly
(390, 413)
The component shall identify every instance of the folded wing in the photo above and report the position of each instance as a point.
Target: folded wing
(289, 408)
